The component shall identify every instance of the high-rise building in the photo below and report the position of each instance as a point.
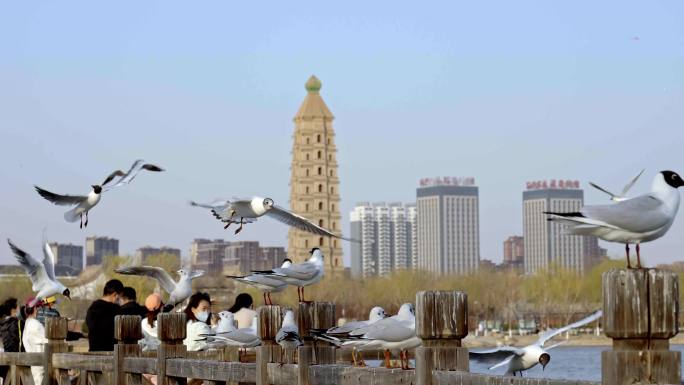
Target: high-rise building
(99, 247)
(217, 256)
(144, 253)
(207, 254)
(386, 236)
(68, 259)
(314, 183)
(448, 224)
(412, 234)
(273, 256)
(514, 253)
(546, 242)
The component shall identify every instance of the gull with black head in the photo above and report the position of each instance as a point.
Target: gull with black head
(41, 273)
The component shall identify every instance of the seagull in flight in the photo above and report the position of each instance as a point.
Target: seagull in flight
(623, 195)
(266, 284)
(84, 203)
(42, 273)
(249, 210)
(178, 291)
(300, 274)
(521, 359)
(635, 220)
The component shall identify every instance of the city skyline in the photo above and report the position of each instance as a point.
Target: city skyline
(415, 91)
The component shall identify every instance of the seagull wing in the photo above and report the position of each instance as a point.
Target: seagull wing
(157, 273)
(287, 335)
(497, 356)
(390, 330)
(594, 185)
(639, 214)
(552, 333)
(49, 261)
(60, 200)
(303, 271)
(300, 223)
(631, 183)
(196, 274)
(133, 172)
(34, 269)
(112, 176)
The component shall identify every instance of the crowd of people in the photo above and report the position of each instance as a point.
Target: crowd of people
(22, 328)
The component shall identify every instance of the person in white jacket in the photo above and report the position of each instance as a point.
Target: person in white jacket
(197, 313)
(154, 306)
(34, 337)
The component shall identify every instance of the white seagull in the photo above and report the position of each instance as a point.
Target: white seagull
(178, 291)
(521, 359)
(623, 195)
(299, 274)
(85, 203)
(288, 335)
(635, 220)
(248, 210)
(42, 273)
(231, 336)
(226, 322)
(264, 283)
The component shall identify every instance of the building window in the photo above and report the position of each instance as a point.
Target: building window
(334, 226)
(307, 140)
(307, 156)
(306, 207)
(331, 172)
(320, 154)
(320, 188)
(318, 138)
(320, 171)
(332, 207)
(307, 172)
(332, 190)
(320, 205)
(307, 189)
(335, 242)
(306, 243)
(320, 241)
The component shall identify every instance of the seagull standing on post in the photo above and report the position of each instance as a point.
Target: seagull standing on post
(266, 284)
(630, 221)
(300, 274)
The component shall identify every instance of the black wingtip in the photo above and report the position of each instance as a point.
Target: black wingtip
(575, 214)
(152, 167)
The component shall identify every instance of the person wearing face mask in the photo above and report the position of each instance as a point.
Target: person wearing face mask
(197, 313)
(100, 317)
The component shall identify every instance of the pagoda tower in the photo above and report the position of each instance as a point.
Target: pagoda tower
(314, 184)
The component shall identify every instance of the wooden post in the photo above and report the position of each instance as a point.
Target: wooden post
(317, 315)
(270, 319)
(640, 314)
(55, 332)
(171, 331)
(127, 331)
(441, 323)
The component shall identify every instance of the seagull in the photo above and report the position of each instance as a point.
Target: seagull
(521, 359)
(226, 322)
(266, 284)
(623, 194)
(640, 219)
(248, 210)
(84, 203)
(231, 336)
(42, 273)
(300, 274)
(288, 335)
(178, 291)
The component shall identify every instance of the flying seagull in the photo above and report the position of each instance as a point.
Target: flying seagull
(299, 274)
(248, 210)
(521, 359)
(84, 203)
(42, 273)
(178, 291)
(636, 220)
(623, 195)
(266, 284)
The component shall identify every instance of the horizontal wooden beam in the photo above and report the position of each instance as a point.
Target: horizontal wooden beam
(21, 359)
(347, 375)
(211, 370)
(82, 362)
(442, 377)
(140, 365)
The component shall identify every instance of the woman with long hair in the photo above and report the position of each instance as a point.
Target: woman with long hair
(34, 336)
(198, 314)
(154, 306)
(242, 308)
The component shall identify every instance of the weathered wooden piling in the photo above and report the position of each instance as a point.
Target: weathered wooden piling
(171, 331)
(127, 332)
(56, 333)
(441, 323)
(270, 319)
(316, 315)
(640, 314)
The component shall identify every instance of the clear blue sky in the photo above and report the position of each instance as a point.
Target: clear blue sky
(503, 91)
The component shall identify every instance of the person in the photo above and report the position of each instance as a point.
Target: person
(100, 317)
(11, 326)
(4, 312)
(47, 310)
(242, 308)
(34, 336)
(197, 312)
(153, 306)
(130, 305)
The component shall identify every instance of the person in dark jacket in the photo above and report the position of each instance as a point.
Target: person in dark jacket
(10, 331)
(130, 305)
(100, 317)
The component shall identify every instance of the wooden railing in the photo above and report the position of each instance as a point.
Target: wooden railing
(640, 306)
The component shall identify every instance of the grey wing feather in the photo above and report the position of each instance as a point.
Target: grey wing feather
(157, 273)
(631, 183)
(112, 176)
(34, 269)
(285, 335)
(133, 172)
(495, 356)
(552, 333)
(304, 271)
(60, 200)
(299, 222)
(49, 261)
(643, 213)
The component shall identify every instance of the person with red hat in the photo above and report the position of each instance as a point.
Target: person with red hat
(34, 336)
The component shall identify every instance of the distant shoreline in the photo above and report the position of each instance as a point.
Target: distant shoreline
(575, 340)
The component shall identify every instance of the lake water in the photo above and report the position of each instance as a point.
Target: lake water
(567, 362)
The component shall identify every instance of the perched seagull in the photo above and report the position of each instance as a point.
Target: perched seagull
(288, 335)
(299, 274)
(42, 273)
(636, 220)
(85, 203)
(248, 210)
(623, 194)
(178, 291)
(226, 322)
(520, 359)
(243, 337)
(264, 283)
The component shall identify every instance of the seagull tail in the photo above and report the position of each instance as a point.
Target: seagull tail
(73, 215)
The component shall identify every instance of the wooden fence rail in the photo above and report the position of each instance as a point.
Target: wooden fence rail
(640, 314)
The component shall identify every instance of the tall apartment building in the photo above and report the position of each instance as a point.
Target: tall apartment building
(448, 225)
(314, 182)
(546, 243)
(217, 256)
(207, 254)
(99, 247)
(144, 253)
(514, 253)
(386, 234)
(68, 259)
